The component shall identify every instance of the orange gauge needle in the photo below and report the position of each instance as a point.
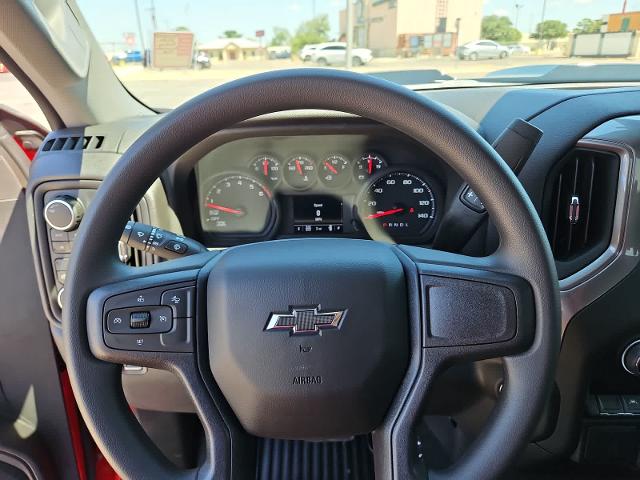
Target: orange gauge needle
(331, 167)
(385, 213)
(225, 209)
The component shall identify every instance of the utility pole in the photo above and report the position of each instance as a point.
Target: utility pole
(518, 7)
(140, 32)
(313, 8)
(349, 34)
(624, 6)
(544, 8)
(152, 11)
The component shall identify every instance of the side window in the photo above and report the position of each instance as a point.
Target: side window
(16, 98)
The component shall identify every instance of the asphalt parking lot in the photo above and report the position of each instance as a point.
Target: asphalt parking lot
(169, 88)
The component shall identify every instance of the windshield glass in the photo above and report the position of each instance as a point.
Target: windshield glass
(167, 51)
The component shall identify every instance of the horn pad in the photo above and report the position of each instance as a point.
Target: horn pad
(308, 339)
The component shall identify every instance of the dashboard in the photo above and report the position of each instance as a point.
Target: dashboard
(329, 174)
(351, 185)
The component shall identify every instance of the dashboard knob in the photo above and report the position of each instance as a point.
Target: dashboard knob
(631, 358)
(64, 213)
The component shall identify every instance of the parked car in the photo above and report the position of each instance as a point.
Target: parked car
(335, 53)
(279, 52)
(307, 52)
(202, 61)
(482, 49)
(127, 56)
(519, 49)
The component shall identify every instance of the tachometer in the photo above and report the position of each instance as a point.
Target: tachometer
(236, 204)
(397, 205)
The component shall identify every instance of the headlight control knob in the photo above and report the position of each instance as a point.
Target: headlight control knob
(631, 358)
(64, 213)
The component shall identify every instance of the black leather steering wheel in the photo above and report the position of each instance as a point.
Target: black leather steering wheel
(407, 312)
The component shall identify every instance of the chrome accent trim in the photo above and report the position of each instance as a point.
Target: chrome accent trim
(59, 298)
(621, 256)
(624, 353)
(574, 210)
(133, 370)
(319, 320)
(65, 205)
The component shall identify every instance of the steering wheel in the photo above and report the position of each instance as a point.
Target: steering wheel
(282, 339)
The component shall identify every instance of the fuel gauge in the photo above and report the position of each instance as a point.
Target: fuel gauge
(334, 171)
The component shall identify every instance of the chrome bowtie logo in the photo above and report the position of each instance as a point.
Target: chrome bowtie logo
(305, 320)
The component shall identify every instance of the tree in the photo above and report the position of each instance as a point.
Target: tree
(281, 36)
(499, 29)
(312, 31)
(586, 25)
(231, 34)
(550, 30)
(182, 28)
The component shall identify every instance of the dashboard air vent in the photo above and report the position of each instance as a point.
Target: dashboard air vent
(89, 142)
(580, 199)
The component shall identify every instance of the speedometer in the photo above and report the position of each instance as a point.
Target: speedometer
(237, 205)
(397, 205)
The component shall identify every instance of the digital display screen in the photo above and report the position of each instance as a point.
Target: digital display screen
(317, 214)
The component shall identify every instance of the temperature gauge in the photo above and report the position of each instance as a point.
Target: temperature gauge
(300, 172)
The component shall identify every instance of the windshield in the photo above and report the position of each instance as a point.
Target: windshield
(167, 51)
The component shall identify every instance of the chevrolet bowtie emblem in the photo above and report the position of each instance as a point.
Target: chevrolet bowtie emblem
(305, 320)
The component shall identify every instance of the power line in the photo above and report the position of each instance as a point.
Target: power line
(140, 33)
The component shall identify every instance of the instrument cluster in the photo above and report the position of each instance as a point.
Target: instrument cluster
(335, 194)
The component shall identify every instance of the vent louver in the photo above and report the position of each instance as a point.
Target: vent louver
(580, 201)
(89, 142)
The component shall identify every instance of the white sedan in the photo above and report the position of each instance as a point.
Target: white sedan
(335, 53)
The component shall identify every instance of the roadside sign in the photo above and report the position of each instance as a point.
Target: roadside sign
(259, 33)
(172, 49)
(129, 38)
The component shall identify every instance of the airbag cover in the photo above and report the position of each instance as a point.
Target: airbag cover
(328, 384)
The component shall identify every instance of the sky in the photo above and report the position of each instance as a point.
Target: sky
(110, 19)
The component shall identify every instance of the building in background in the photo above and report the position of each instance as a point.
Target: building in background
(411, 27)
(622, 22)
(224, 49)
(619, 36)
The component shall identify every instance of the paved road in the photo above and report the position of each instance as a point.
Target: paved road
(170, 88)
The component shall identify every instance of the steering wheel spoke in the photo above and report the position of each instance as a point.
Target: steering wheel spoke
(467, 309)
(147, 318)
(153, 316)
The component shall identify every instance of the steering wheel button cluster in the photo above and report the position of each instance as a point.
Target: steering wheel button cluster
(153, 319)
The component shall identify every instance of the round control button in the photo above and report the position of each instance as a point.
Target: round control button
(63, 213)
